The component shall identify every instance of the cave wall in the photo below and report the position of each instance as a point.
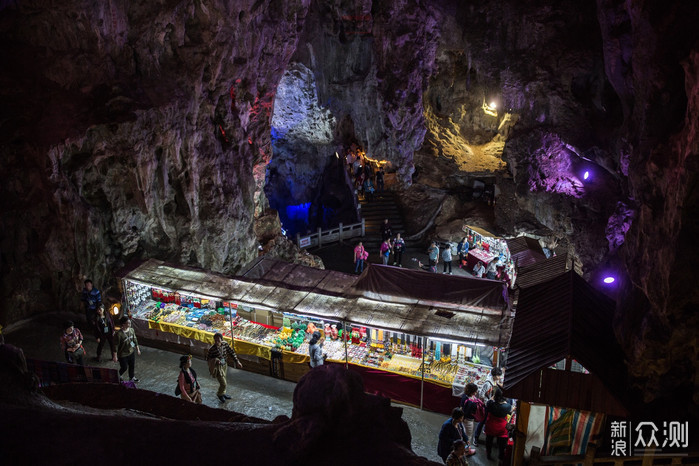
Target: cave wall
(133, 131)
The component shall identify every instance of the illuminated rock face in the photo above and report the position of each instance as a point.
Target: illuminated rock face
(152, 131)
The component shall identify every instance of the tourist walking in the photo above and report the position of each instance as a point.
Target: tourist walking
(386, 231)
(187, 383)
(379, 179)
(398, 248)
(433, 255)
(92, 299)
(360, 255)
(315, 350)
(126, 348)
(104, 333)
(72, 344)
(469, 405)
(217, 358)
(446, 258)
(462, 251)
(385, 251)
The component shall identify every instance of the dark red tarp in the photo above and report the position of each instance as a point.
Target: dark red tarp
(386, 283)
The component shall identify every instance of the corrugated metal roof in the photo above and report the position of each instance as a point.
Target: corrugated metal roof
(314, 292)
(541, 271)
(564, 317)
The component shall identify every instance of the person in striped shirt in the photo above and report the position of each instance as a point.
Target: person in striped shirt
(217, 358)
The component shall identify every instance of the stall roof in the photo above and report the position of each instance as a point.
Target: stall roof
(525, 251)
(542, 271)
(299, 276)
(482, 232)
(564, 317)
(269, 289)
(386, 283)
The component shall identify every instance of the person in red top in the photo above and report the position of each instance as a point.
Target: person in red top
(360, 255)
(72, 344)
(496, 411)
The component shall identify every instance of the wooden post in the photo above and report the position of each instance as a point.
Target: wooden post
(363, 227)
(424, 347)
(340, 233)
(298, 240)
(320, 240)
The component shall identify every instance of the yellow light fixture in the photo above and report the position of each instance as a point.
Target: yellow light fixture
(115, 309)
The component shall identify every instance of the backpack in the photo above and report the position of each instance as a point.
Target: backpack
(178, 392)
(479, 414)
(484, 391)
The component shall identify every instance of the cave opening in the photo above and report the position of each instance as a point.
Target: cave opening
(306, 180)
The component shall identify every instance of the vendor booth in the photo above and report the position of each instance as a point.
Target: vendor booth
(565, 366)
(485, 247)
(418, 347)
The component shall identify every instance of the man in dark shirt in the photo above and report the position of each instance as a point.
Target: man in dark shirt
(92, 299)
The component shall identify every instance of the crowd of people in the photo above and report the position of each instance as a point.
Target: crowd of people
(389, 245)
(481, 408)
(124, 347)
(368, 176)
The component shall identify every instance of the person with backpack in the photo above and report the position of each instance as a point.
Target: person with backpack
(446, 257)
(398, 248)
(485, 394)
(217, 357)
(473, 408)
(187, 385)
(360, 255)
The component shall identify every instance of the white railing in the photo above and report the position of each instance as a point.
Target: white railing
(322, 237)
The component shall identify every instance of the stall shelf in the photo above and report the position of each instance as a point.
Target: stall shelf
(414, 349)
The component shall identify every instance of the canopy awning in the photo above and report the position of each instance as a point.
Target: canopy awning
(483, 318)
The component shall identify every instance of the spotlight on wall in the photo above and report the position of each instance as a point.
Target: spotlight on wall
(586, 175)
(609, 280)
(114, 310)
(493, 105)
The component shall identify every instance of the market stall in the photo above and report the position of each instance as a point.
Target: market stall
(431, 348)
(485, 247)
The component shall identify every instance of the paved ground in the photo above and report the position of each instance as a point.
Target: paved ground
(253, 394)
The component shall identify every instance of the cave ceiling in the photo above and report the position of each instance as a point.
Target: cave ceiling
(168, 130)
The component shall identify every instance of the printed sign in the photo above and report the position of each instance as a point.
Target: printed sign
(636, 439)
(305, 242)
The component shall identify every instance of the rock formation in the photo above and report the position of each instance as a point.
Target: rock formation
(159, 130)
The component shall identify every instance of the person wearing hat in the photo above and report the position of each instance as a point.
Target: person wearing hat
(72, 344)
(187, 381)
(315, 350)
(217, 358)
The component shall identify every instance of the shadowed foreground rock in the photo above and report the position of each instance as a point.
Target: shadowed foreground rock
(333, 421)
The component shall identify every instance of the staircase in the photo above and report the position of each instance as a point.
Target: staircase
(383, 206)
